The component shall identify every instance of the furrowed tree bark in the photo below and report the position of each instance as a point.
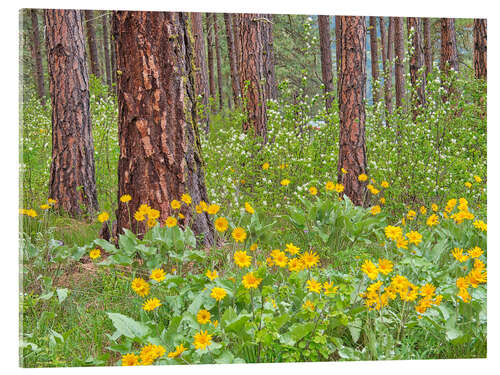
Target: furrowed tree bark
(268, 56)
(352, 81)
(325, 44)
(72, 171)
(427, 46)
(398, 64)
(449, 54)
(160, 153)
(107, 61)
(218, 59)
(36, 54)
(252, 72)
(235, 80)
(374, 58)
(387, 66)
(113, 58)
(91, 38)
(416, 63)
(390, 62)
(480, 39)
(201, 69)
(210, 47)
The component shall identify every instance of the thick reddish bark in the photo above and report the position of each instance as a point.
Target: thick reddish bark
(374, 58)
(449, 55)
(416, 63)
(252, 72)
(352, 80)
(105, 40)
(398, 63)
(235, 80)
(480, 39)
(387, 66)
(218, 59)
(201, 69)
(160, 154)
(338, 43)
(427, 46)
(37, 57)
(72, 172)
(91, 38)
(325, 44)
(210, 48)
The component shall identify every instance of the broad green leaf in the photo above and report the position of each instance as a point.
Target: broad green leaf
(127, 326)
(62, 293)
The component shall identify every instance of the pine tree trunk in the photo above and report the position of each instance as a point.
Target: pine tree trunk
(210, 47)
(325, 44)
(338, 43)
(352, 80)
(374, 58)
(105, 35)
(201, 70)
(37, 57)
(113, 58)
(266, 21)
(480, 38)
(235, 80)
(72, 172)
(218, 59)
(416, 63)
(252, 74)
(387, 66)
(94, 58)
(449, 55)
(398, 64)
(160, 153)
(427, 46)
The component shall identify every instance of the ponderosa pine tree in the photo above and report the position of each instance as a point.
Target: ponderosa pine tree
(427, 46)
(449, 53)
(201, 69)
(105, 41)
(235, 80)
(91, 39)
(352, 81)
(160, 153)
(254, 81)
(480, 39)
(338, 42)
(72, 171)
(387, 56)
(36, 53)
(416, 63)
(325, 44)
(268, 56)
(398, 62)
(209, 30)
(374, 58)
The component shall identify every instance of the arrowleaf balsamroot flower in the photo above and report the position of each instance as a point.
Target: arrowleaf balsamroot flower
(249, 208)
(130, 359)
(314, 286)
(202, 340)
(140, 286)
(203, 316)
(393, 232)
(239, 234)
(284, 182)
(370, 269)
(241, 259)
(309, 259)
(313, 190)
(95, 253)
(218, 293)
(178, 351)
(292, 249)
(330, 185)
(250, 281)
(125, 198)
(175, 204)
(212, 275)
(103, 216)
(414, 237)
(157, 275)
(385, 266)
(213, 209)
(186, 198)
(375, 210)
(221, 224)
(151, 304)
(432, 220)
(171, 222)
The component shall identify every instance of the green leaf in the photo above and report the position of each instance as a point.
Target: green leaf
(62, 293)
(127, 326)
(105, 245)
(299, 330)
(238, 324)
(355, 329)
(189, 238)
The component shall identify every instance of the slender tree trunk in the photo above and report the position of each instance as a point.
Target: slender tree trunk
(266, 21)
(235, 83)
(210, 46)
(252, 74)
(160, 155)
(325, 44)
(201, 70)
(237, 44)
(113, 58)
(338, 44)
(398, 64)
(416, 63)
(72, 172)
(387, 66)
(480, 38)
(374, 58)
(104, 18)
(390, 64)
(37, 57)
(91, 38)
(427, 46)
(352, 80)
(218, 58)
